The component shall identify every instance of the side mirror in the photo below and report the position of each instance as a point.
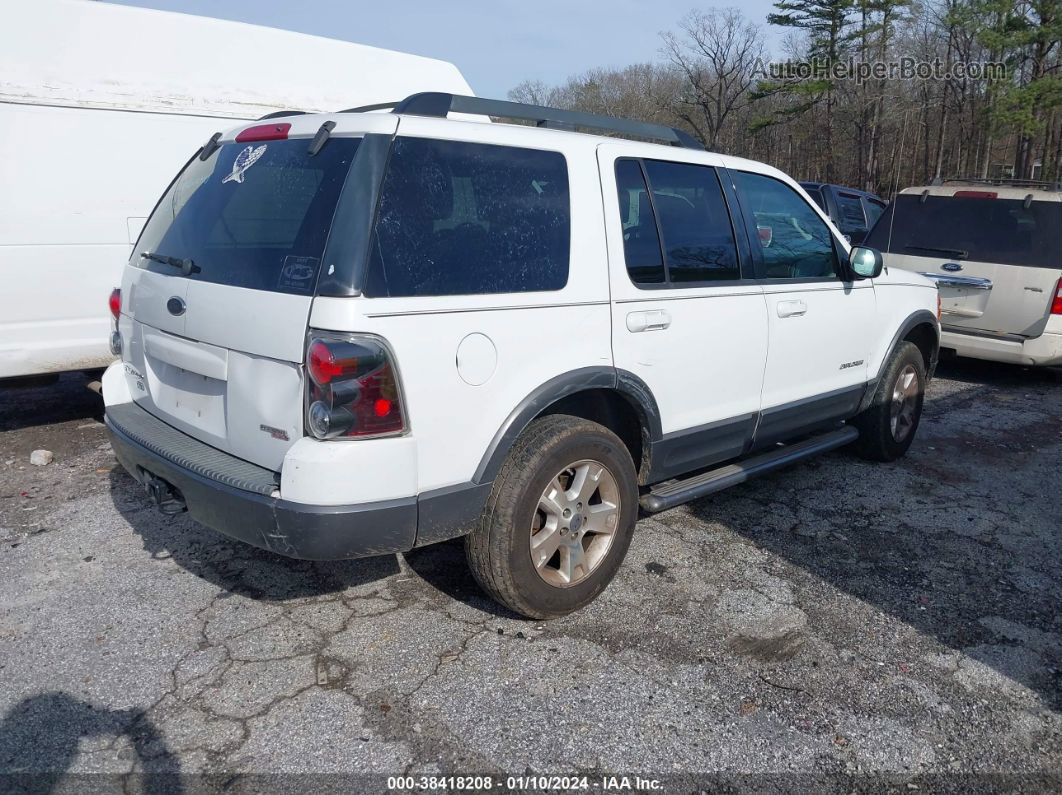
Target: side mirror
(865, 262)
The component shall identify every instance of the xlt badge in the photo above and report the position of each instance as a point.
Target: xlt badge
(276, 433)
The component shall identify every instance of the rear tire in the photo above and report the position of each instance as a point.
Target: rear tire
(559, 518)
(888, 426)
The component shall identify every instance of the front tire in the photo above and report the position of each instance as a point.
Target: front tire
(888, 426)
(559, 518)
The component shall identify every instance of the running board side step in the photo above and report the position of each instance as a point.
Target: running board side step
(675, 493)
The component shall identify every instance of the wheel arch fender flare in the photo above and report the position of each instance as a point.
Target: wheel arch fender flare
(918, 318)
(629, 386)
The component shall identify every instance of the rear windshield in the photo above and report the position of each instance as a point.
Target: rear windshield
(252, 215)
(1000, 231)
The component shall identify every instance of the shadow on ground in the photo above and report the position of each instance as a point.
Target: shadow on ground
(232, 565)
(41, 736)
(944, 582)
(63, 401)
(258, 574)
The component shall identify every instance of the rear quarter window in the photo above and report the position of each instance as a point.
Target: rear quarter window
(460, 218)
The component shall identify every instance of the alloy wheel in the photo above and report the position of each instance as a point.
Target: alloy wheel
(904, 403)
(574, 523)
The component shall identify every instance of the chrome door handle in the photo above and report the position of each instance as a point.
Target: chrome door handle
(651, 320)
(791, 308)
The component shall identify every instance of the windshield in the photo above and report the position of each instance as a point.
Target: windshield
(1000, 231)
(252, 215)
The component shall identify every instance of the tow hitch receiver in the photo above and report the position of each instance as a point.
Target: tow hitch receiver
(166, 498)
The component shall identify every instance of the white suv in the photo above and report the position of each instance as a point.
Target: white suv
(359, 333)
(995, 251)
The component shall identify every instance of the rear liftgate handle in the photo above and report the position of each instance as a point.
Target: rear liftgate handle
(652, 320)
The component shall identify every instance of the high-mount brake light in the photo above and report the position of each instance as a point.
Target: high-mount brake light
(115, 302)
(264, 132)
(1056, 304)
(971, 194)
(353, 388)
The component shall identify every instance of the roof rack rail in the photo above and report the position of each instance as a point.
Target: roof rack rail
(279, 114)
(438, 105)
(1003, 182)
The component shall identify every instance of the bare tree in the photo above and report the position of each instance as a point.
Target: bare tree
(534, 92)
(718, 51)
(886, 132)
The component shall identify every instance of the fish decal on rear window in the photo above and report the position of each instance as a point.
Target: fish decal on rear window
(244, 160)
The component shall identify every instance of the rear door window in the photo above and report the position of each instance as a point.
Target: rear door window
(1002, 231)
(459, 218)
(698, 237)
(251, 215)
(851, 209)
(676, 225)
(641, 239)
(794, 241)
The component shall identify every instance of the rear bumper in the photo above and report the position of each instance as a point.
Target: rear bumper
(297, 530)
(1042, 351)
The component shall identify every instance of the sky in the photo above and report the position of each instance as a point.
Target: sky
(495, 43)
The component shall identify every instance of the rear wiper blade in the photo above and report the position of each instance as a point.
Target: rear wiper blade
(186, 265)
(955, 252)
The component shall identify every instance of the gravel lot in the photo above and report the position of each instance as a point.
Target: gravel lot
(832, 621)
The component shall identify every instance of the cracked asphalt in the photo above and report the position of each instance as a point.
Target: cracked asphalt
(836, 622)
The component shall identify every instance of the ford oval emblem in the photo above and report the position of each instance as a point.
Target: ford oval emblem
(176, 306)
(951, 266)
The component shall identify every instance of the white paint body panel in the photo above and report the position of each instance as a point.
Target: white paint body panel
(898, 294)
(537, 336)
(330, 473)
(837, 325)
(95, 122)
(707, 364)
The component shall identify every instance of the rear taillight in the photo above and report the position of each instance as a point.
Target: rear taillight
(353, 388)
(115, 304)
(1056, 304)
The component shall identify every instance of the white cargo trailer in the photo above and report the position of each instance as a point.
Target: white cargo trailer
(100, 106)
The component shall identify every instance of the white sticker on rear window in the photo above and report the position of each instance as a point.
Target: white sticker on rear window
(244, 160)
(298, 273)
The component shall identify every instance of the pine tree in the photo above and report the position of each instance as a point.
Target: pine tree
(826, 23)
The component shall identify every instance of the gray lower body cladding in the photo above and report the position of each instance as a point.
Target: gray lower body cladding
(228, 495)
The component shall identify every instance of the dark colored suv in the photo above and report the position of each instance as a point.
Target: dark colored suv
(853, 211)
